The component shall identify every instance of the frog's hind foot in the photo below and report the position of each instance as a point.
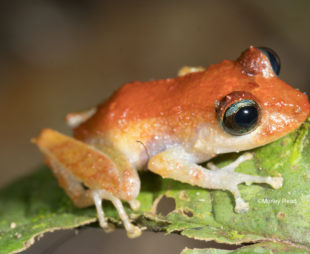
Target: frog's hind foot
(98, 195)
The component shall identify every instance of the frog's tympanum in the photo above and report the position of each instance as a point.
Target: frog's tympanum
(170, 126)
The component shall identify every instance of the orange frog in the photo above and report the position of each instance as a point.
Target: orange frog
(169, 126)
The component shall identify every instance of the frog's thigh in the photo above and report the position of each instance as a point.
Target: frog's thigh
(74, 162)
(175, 163)
(74, 189)
(96, 169)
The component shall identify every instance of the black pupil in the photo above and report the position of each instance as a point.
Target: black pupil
(246, 117)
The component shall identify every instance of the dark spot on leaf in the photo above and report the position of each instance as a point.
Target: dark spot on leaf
(197, 228)
(187, 213)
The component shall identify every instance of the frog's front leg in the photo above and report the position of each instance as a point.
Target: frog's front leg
(177, 164)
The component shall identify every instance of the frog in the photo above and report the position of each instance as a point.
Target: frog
(169, 127)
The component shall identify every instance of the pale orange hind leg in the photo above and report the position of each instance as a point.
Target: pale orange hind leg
(108, 175)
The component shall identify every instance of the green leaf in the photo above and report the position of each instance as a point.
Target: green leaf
(35, 204)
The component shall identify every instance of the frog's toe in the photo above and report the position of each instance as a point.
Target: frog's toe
(134, 232)
(275, 182)
(241, 206)
(108, 228)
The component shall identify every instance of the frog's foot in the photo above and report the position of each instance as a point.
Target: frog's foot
(275, 182)
(234, 179)
(98, 195)
(177, 164)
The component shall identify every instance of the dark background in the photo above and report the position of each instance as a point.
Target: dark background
(62, 56)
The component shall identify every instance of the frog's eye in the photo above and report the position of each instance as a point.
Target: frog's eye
(238, 113)
(273, 58)
(241, 117)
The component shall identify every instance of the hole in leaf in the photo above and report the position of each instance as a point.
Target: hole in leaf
(165, 206)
